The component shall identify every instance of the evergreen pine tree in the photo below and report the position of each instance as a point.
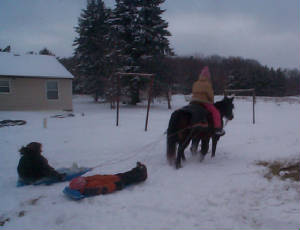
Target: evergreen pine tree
(6, 49)
(152, 42)
(91, 46)
(142, 41)
(45, 51)
(125, 22)
(126, 31)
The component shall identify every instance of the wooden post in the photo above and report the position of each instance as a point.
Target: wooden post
(169, 96)
(118, 99)
(149, 101)
(119, 75)
(254, 100)
(45, 123)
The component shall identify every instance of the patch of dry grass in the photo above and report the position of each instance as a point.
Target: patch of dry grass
(284, 170)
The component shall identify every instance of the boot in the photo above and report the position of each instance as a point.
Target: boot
(219, 132)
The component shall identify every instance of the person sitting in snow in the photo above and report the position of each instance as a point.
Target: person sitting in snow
(103, 184)
(202, 92)
(33, 166)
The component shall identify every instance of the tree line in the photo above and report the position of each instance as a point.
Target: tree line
(43, 51)
(227, 73)
(234, 73)
(133, 37)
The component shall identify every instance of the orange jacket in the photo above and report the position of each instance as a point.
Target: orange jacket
(101, 184)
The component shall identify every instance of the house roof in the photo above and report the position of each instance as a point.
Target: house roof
(41, 66)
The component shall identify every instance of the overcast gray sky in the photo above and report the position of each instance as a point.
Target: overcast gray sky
(265, 30)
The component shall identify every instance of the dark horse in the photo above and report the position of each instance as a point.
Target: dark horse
(193, 122)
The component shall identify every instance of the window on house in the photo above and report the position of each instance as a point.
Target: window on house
(52, 90)
(4, 86)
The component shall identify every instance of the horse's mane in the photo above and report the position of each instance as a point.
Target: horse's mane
(222, 105)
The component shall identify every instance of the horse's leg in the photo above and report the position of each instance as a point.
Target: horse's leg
(214, 145)
(204, 148)
(195, 143)
(189, 137)
(183, 156)
(179, 156)
(181, 149)
(180, 152)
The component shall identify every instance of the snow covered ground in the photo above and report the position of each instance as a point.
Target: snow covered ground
(227, 192)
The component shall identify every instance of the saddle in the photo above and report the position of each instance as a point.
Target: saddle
(200, 117)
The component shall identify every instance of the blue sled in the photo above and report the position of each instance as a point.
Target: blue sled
(70, 174)
(73, 194)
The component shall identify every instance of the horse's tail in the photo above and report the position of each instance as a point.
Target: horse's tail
(172, 135)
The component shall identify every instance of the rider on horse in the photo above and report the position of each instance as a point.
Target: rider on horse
(202, 93)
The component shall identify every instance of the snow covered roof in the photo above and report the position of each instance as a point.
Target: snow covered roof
(32, 66)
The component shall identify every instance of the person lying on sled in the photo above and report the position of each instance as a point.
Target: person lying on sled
(202, 93)
(33, 166)
(103, 184)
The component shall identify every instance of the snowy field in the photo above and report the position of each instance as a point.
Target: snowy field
(227, 192)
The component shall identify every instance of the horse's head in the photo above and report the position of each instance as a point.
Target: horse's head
(226, 107)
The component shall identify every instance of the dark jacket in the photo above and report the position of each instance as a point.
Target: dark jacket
(34, 166)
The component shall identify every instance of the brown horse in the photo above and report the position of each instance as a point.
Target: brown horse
(193, 122)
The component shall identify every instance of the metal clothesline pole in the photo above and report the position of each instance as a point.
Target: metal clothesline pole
(118, 99)
(119, 75)
(149, 101)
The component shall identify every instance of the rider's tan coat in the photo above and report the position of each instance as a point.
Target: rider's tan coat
(202, 90)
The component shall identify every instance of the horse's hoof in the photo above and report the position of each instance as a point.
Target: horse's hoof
(193, 151)
(201, 157)
(178, 166)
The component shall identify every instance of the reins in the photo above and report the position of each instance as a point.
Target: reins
(149, 145)
(135, 153)
(142, 148)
